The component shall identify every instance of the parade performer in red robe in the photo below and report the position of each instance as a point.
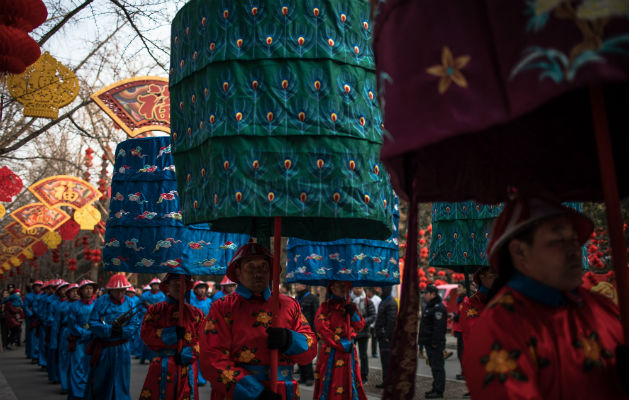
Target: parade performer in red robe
(238, 337)
(472, 307)
(337, 322)
(542, 336)
(172, 374)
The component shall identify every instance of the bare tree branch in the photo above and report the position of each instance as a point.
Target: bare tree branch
(61, 23)
(43, 129)
(140, 35)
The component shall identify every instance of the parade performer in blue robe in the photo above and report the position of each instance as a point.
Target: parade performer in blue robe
(200, 300)
(31, 320)
(173, 373)
(63, 316)
(54, 324)
(227, 287)
(42, 330)
(80, 337)
(150, 297)
(110, 357)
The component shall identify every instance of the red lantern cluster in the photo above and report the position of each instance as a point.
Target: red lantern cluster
(17, 18)
(99, 228)
(10, 183)
(87, 161)
(72, 264)
(102, 181)
(55, 257)
(93, 255)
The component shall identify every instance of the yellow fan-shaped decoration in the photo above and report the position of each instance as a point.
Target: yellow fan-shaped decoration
(39, 215)
(52, 239)
(87, 217)
(16, 262)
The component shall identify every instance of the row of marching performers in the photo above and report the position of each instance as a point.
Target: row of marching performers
(61, 338)
(231, 346)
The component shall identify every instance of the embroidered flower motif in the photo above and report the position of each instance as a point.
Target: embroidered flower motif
(228, 377)
(339, 390)
(262, 318)
(247, 355)
(506, 301)
(472, 313)
(502, 364)
(211, 326)
(158, 333)
(188, 337)
(594, 354)
(450, 70)
(309, 340)
(339, 363)
(228, 318)
(145, 394)
(539, 361)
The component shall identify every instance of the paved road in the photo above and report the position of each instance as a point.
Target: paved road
(19, 379)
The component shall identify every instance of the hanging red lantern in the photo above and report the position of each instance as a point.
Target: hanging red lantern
(25, 15)
(96, 255)
(85, 241)
(10, 183)
(87, 253)
(69, 230)
(72, 264)
(55, 256)
(18, 50)
(39, 248)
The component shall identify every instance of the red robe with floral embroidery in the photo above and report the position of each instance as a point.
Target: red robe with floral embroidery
(159, 334)
(523, 348)
(470, 312)
(234, 355)
(335, 352)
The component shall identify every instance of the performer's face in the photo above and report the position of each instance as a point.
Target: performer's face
(174, 288)
(555, 256)
(254, 273)
(200, 290)
(73, 294)
(87, 292)
(117, 294)
(338, 288)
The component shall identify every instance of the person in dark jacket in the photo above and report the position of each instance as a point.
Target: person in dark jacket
(433, 337)
(385, 326)
(309, 303)
(368, 312)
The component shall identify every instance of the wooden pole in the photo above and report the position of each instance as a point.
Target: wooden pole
(275, 303)
(611, 197)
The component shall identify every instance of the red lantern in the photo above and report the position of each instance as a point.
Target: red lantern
(18, 49)
(69, 230)
(24, 15)
(441, 273)
(422, 285)
(39, 248)
(85, 241)
(10, 183)
(87, 254)
(96, 255)
(72, 264)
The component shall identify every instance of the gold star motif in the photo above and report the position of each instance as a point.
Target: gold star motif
(450, 70)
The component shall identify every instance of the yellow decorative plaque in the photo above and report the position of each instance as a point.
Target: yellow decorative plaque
(52, 239)
(87, 217)
(44, 87)
(2, 211)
